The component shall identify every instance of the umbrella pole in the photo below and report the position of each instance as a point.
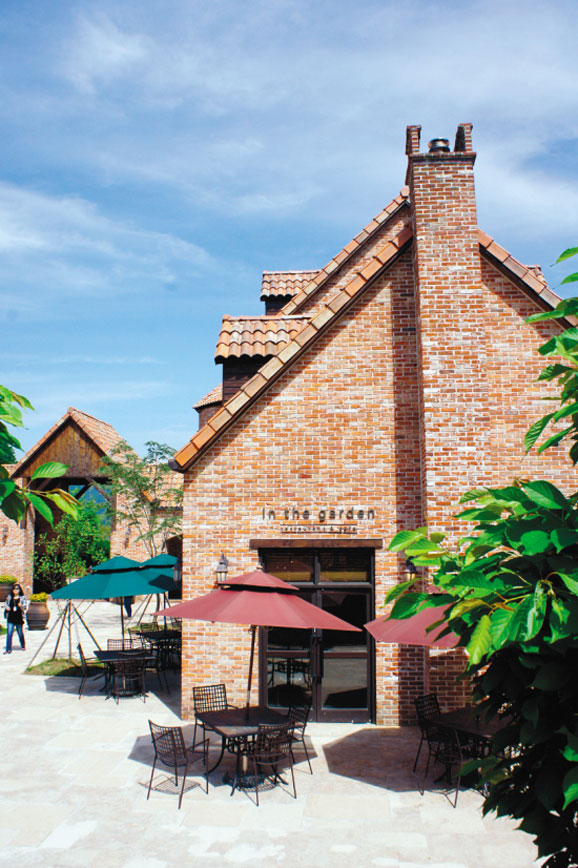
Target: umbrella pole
(253, 634)
(122, 618)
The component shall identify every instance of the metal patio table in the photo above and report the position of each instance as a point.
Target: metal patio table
(109, 658)
(469, 721)
(234, 723)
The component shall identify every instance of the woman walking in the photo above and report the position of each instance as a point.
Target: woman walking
(14, 609)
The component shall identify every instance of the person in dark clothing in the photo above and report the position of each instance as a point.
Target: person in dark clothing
(14, 609)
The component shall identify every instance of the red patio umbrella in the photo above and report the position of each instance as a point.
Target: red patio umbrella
(413, 630)
(259, 600)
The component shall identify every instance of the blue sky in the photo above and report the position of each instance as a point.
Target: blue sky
(158, 156)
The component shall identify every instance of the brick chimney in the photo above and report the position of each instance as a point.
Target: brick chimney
(450, 304)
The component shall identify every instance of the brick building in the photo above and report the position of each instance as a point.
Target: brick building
(370, 395)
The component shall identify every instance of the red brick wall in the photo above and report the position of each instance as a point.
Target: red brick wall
(16, 550)
(339, 428)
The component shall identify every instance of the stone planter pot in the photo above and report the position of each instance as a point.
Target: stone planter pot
(5, 590)
(37, 615)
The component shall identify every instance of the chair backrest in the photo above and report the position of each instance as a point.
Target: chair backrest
(427, 706)
(129, 666)
(168, 743)
(444, 742)
(130, 644)
(210, 697)
(299, 715)
(273, 741)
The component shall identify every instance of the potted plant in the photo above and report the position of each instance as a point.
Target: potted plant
(38, 613)
(6, 583)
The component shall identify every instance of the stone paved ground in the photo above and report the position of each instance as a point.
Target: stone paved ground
(74, 776)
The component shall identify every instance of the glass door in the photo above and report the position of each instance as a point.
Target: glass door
(332, 669)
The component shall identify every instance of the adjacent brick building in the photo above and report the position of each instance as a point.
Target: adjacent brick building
(372, 393)
(80, 441)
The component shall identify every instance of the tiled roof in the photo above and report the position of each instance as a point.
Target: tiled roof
(257, 335)
(236, 405)
(215, 396)
(317, 282)
(530, 275)
(280, 283)
(103, 435)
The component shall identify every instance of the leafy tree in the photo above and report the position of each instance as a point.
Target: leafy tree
(72, 548)
(14, 499)
(144, 494)
(565, 372)
(511, 588)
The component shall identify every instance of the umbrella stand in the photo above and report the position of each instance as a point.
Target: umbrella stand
(250, 678)
(60, 622)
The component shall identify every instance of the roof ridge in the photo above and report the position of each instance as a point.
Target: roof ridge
(254, 387)
(267, 316)
(72, 413)
(346, 252)
(291, 271)
(525, 273)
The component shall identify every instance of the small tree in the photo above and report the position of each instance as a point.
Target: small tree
(144, 494)
(14, 499)
(72, 548)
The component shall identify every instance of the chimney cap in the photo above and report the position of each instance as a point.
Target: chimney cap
(439, 146)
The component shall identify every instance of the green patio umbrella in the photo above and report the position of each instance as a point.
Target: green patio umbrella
(119, 577)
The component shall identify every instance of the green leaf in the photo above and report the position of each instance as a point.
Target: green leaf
(500, 626)
(570, 786)
(50, 470)
(533, 433)
(551, 676)
(570, 251)
(570, 278)
(568, 410)
(484, 513)
(465, 606)
(570, 582)
(554, 439)
(563, 537)
(545, 494)
(7, 486)
(14, 505)
(404, 537)
(397, 590)
(527, 620)
(473, 494)
(571, 749)
(550, 372)
(437, 537)
(407, 605)
(63, 502)
(41, 505)
(480, 641)
(423, 545)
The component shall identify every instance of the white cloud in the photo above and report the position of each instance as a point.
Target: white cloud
(100, 53)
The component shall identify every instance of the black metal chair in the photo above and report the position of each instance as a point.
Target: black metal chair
(156, 662)
(208, 697)
(127, 678)
(171, 751)
(444, 747)
(132, 643)
(426, 706)
(269, 747)
(85, 664)
(299, 716)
